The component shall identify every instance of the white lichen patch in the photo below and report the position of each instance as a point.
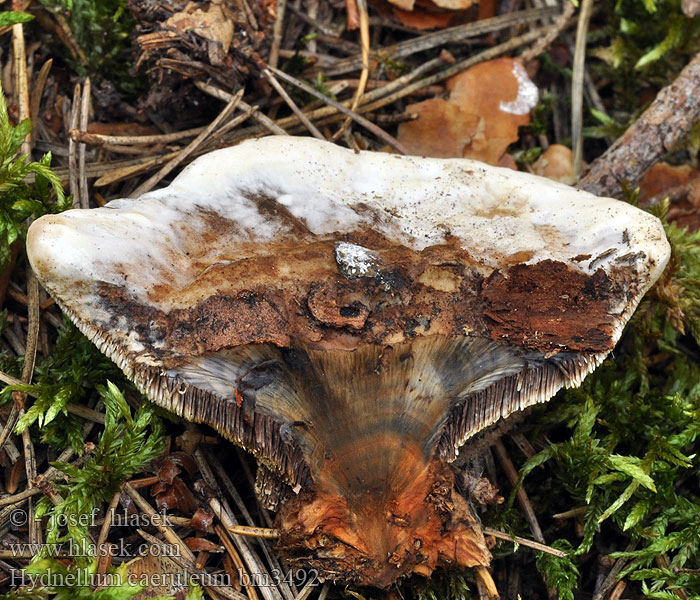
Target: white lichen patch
(527, 96)
(355, 261)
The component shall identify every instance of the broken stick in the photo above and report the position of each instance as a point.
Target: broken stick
(660, 128)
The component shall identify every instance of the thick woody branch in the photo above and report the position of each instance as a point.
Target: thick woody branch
(660, 128)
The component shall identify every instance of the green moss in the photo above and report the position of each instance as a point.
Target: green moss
(20, 200)
(125, 447)
(101, 29)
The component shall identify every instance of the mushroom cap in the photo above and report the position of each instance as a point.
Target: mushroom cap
(292, 241)
(351, 318)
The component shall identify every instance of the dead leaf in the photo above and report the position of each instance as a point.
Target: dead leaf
(212, 25)
(160, 575)
(681, 185)
(422, 20)
(176, 496)
(403, 4)
(184, 460)
(487, 105)
(427, 14)
(661, 178)
(442, 130)
(202, 520)
(453, 4)
(199, 544)
(557, 163)
(167, 470)
(15, 476)
(508, 162)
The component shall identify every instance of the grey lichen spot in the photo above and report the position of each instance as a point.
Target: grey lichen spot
(356, 261)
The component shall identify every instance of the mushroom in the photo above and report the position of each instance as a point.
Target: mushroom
(352, 320)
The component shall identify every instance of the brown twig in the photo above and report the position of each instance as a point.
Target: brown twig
(619, 589)
(222, 473)
(359, 119)
(86, 413)
(235, 557)
(133, 167)
(444, 36)
(611, 577)
(553, 32)
(574, 512)
(20, 497)
(131, 150)
(9, 425)
(255, 532)
(22, 84)
(483, 577)
(224, 510)
(107, 524)
(168, 533)
(206, 580)
(265, 121)
(380, 92)
(364, 75)
(83, 122)
(191, 147)
(516, 539)
(658, 130)
(33, 324)
(295, 109)
(577, 81)
(663, 562)
(66, 35)
(38, 90)
(277, 33)
(521, 495)
(97, 139)
(72, 148)
(311, 19)
(523, 444)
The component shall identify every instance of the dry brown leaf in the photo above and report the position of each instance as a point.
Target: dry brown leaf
(442, 130)
(508, 162)
(487, 105)
(663, 178)
(15, 476)
(487, 9)
(422, 20)
(557, 163)
(681, 185)
(403, 4)
(199, 544)
(202, 520)
(428, 14)
(212, 25)
(161, 575)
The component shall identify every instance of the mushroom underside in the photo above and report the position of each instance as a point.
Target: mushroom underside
(354, 445)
